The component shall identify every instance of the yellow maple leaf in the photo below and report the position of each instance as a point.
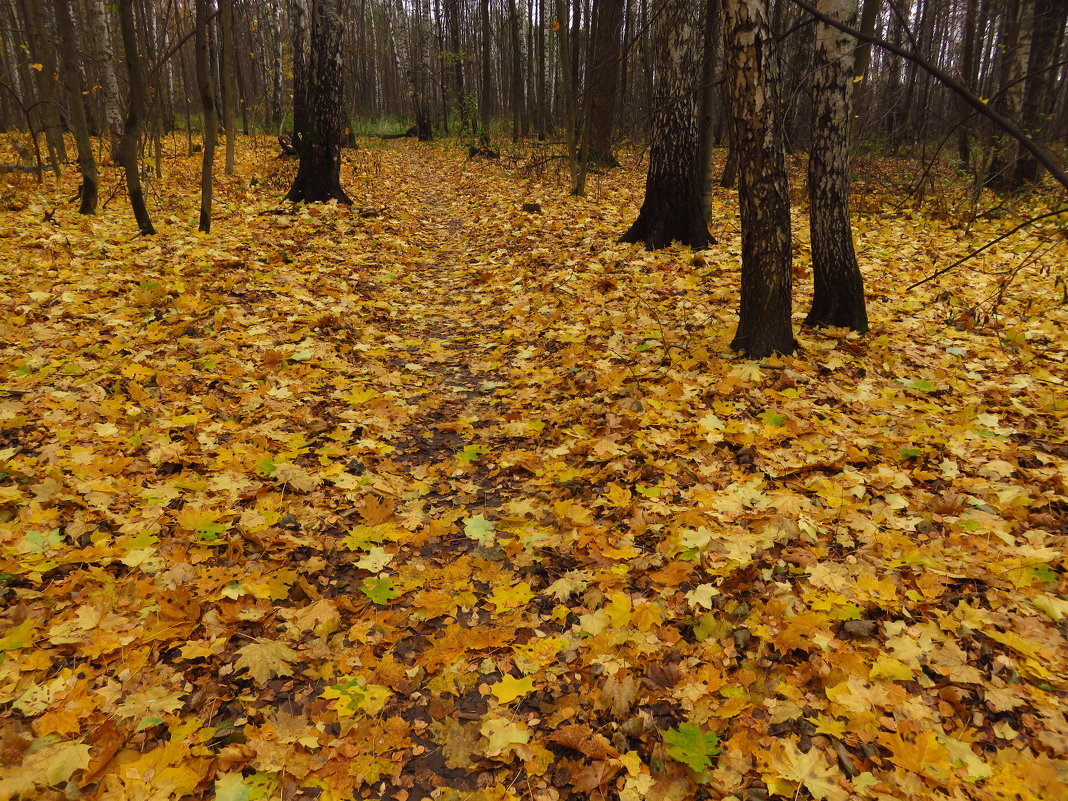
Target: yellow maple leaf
(788, 768)
(509, 688)
(265, 659)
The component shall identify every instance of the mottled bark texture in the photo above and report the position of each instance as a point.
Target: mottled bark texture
(319, 174)
(136, 113)
(838, 297)
(764, 320)
(671, 211)
(72, 83)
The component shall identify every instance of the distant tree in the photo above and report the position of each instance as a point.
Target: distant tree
(838, 298)
(229, 72)
(1015, 46)
(671, 210)
(299, 24)
(319, 173)
(136, 113)
(71, 70)
(207, 101)
(1042, 70)
(765, 316)
(420, 69)
(604, 80)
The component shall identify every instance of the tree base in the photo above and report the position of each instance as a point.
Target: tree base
(658, 225)
(316, 192)
(825, 316)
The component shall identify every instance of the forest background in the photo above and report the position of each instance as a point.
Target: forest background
(451, 488)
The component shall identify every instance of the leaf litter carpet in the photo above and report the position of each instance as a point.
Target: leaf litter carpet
(440, 498)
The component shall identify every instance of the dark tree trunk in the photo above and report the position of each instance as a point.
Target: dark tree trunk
(604, 80)
(207, 100)
(73, 85)
(838, 299)
(319, 174)
(765, 316)
(1016, 52)
(135, 117)
(709, 106)
(421, 76)
(671, 211)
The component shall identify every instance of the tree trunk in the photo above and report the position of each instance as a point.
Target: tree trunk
(485, 89)
(517, 73)
(838, 298)
(73, 85)
(1016, 51)
(765, 316)
(135, 117)
(229, 68)
(1041, 76)
(604, 80)
(709, 110)
(671, 210)
(319, 174)
(576, 162)
(300, 70)
(207, 100)
(967, 75)
(421, 75)
(40, 52)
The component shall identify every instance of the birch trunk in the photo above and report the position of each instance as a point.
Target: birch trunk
(671, 211)
(838, 298)
(764, 320)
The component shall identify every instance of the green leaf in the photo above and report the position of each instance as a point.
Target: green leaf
(479, 529)
(692, 746)
(924, 385)
(380, 591)
(471, 453)
(266, 467)
(148, 723)
(773, 418)
(232, 787)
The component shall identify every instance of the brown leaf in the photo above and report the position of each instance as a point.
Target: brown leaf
(580, 737)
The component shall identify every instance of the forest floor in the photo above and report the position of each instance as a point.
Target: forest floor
(438, 497)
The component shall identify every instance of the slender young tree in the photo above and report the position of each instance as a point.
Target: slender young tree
(207, 101)
(671, 210)
(764, 320)
(838, 297)
(319, 173)
(76, 102)
(229, 71)
(136, 113)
